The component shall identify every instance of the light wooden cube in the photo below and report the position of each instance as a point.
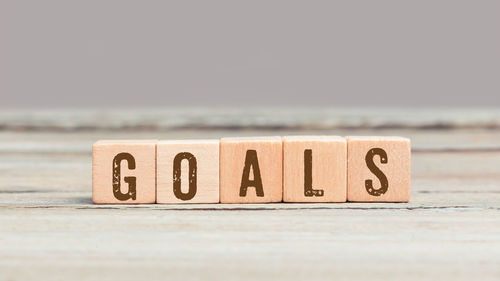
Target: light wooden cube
(188, 171)
(378, 169)
(124, 171)
(314, 169)
(251, 170)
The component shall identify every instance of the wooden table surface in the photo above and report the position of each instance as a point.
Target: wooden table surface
(50, 230)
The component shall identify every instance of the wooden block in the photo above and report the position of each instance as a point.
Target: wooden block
(314, 169)
(378, 169)
(188, 171)
(251, 170)
(124, 171)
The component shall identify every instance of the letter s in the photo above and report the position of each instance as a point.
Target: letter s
(376, 171)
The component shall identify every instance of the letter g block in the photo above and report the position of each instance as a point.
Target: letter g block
(124, 172)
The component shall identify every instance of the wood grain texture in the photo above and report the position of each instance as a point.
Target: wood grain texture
(327, 173)
(264, 173)
(378, 169)
(124, 172)
(205, 168)
(450, 229)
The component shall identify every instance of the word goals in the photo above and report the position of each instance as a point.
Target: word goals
(252, 170)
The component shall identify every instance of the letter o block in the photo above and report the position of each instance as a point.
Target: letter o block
(124, 172)
(188, 171)
(251, 170)
(378, 169)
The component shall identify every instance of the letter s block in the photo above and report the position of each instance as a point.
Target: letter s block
(124, 172)
(251, 170)
(378, 169)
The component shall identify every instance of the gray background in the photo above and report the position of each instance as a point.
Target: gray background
(300, 53)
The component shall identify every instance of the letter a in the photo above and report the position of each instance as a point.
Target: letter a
(251, 161)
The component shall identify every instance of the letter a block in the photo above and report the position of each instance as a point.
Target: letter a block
(124, 172)
(188, 171)
(251, 170)
(378, 169)
(314, 169)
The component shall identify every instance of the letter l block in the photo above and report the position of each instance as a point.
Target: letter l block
(314, 169)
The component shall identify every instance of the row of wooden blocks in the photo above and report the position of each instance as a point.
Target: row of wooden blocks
(252, 170)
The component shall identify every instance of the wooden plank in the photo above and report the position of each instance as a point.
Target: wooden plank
(247, 118)
(105, 244)
(49, 228)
